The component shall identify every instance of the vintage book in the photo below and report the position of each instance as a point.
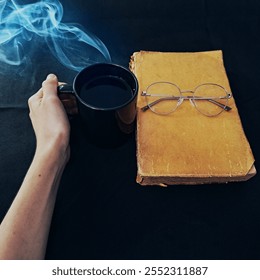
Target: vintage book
(187, 147)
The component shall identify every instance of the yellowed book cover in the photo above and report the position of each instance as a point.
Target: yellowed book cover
(186, 146)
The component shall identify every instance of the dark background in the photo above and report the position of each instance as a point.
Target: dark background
(101, 212)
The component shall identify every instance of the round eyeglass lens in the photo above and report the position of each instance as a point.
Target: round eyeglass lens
(210, 99)
(163, 97)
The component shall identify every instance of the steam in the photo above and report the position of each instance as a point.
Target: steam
(20, 24)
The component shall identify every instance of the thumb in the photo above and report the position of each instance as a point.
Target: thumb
(49, 86)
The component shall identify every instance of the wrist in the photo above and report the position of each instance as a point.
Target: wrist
(53, 154)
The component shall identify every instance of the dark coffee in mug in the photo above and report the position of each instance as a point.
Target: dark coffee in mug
(106, 92)
(106, 96)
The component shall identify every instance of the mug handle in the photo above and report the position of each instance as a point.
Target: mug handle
(68, 104)
(65, 89)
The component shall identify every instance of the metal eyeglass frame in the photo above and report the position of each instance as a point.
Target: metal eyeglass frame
(191, 98)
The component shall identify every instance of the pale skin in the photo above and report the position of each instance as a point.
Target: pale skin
(25, 228)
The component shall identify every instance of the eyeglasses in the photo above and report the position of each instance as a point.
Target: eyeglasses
(164, 98)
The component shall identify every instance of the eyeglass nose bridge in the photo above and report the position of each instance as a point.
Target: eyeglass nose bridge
(192, 102)
(189, 97)
(179, 102)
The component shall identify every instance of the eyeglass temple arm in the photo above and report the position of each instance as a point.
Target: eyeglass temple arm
(145, 108)
(224, 107)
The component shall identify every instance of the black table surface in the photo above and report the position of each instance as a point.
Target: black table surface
(101, 212)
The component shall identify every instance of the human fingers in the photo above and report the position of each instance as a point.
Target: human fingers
(35, 98)
(49, 86)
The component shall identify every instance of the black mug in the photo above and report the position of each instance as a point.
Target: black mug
(106, 96)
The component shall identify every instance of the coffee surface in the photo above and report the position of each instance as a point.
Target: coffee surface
(106, 92)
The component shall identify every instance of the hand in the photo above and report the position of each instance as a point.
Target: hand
(49, 120)
(25, 228)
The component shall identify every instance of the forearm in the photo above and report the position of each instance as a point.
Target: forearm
(24, 230)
